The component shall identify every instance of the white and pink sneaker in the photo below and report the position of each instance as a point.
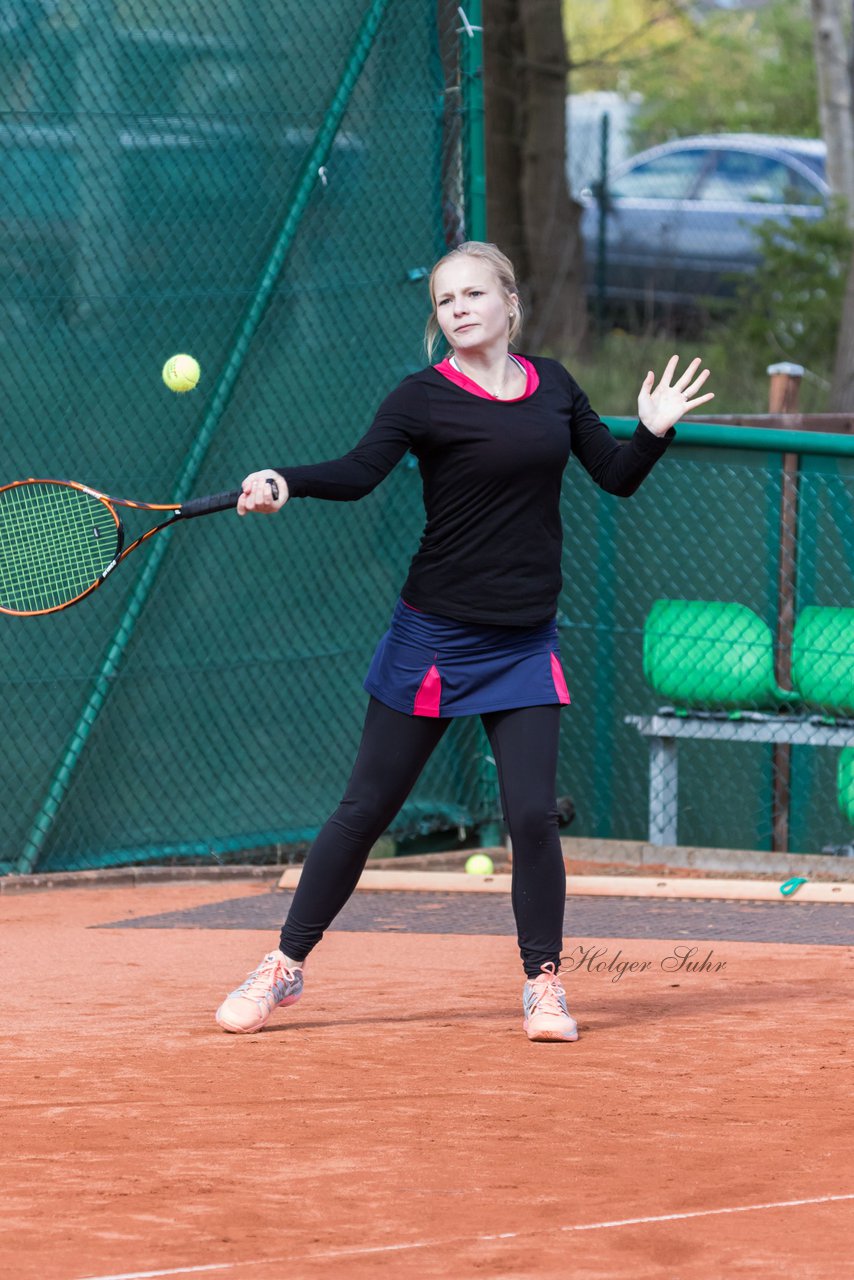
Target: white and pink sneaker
(546, 1014)
(276, 982)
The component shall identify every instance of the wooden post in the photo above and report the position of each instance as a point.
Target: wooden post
(783, 391)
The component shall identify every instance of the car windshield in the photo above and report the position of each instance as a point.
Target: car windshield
(748, 178)
(668, 177)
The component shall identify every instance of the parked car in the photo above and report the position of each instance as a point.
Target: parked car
(680, 219)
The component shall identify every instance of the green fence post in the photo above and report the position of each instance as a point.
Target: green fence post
(316, 157)
(605, 683)
(491, 832)
(474, 152)
(602, 224)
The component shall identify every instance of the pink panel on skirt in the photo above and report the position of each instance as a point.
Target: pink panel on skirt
(429, 695)
(559, 680)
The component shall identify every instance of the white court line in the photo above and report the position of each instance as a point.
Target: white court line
(504, 1235)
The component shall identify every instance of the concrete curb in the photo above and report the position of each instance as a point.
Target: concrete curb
(595, 886)
(134, 877)
(745, 861)
(614, 853)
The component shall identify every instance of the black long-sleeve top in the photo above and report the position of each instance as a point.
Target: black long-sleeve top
(491, 473)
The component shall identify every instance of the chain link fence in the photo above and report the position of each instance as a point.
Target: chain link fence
(265, 188)
(709, 639)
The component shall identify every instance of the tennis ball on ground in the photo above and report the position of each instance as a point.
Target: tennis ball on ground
(480, 864)
(181, 373)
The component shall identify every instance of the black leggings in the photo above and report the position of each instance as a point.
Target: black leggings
(393, 751)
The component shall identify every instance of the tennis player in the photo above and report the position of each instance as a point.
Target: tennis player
(474, 630)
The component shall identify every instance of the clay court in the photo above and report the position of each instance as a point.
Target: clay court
(397, 1122)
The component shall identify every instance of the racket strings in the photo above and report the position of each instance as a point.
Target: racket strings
(55, 541)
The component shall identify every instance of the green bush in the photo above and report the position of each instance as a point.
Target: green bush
(612, 371)
(791, 306)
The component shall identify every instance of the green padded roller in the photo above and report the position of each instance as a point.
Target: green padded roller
(823, 659)
(845, 783)
(711, 654)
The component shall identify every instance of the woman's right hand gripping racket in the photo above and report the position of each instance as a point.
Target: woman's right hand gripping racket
(59, 540)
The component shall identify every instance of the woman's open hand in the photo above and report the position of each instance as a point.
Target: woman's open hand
(661, 407)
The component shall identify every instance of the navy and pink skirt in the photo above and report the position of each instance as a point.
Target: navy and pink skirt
(427, 665)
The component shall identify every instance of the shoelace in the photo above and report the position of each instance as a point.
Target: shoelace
(548, 993)
(268, 972)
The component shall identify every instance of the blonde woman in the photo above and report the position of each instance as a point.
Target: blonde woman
(474, 630)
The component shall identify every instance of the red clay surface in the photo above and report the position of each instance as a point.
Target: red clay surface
(398, 1115)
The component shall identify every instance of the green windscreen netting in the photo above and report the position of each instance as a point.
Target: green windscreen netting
(264, 187)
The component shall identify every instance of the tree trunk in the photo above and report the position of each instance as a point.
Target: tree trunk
(504, 216)
(834, 93)
(832, 58)
(529, 210)
(842, 387)
(835, 97)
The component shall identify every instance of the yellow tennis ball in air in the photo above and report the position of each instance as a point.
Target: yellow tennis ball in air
(181, 373)
(480, 864)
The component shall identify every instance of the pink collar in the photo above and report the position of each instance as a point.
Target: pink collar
(448, 371)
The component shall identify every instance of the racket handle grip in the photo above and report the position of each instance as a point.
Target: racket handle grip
(207, 506)
(217, 502)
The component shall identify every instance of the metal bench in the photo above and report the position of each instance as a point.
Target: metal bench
(666, 728)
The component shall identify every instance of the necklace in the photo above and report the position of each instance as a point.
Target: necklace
(496, 395)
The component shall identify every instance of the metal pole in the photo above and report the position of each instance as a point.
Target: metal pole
(602, 223)
(474, 147)
(104, 680)
(765, 439)
(783, 391)
(605, 794)
(491, 831)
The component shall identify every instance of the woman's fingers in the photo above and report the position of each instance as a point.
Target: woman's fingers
(688, 375)
(696, 384)
(692, 404)
(669, 370)
(263, 492)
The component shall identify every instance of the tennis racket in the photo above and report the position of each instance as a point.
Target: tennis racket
(59, 540)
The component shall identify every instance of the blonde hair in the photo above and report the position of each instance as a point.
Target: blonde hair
(502, 269)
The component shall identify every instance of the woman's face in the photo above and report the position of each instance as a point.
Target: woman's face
(472, 308)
